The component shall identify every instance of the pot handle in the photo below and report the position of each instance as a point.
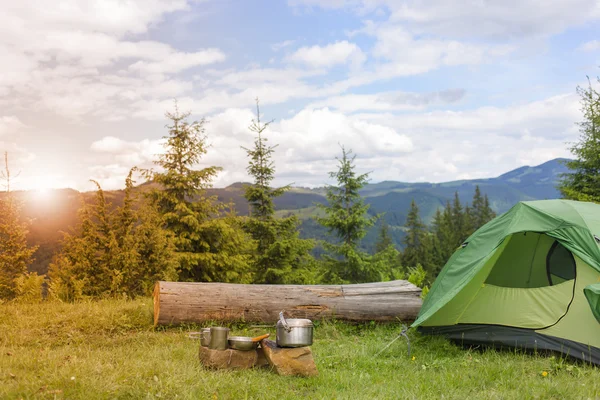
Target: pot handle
(195, 335)
(284, 322)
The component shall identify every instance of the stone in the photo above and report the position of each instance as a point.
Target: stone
(296, 361)
(232, 359)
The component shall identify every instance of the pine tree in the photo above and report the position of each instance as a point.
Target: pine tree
(468, 221)
(482, 212)
(346, 212)
(282, 256)
(488, 213)
(384, 240)
(261, 167)
(15, 254)
(110, 253)
(209, 248)
(458, 222)
(583, 181)
(443, 231)
(413, 252)
(346, 218)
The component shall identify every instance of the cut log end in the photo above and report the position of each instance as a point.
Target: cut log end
(156, 300)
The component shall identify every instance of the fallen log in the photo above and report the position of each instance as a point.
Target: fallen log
(180, 302)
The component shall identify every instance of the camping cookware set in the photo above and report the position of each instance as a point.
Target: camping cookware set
(292, 332)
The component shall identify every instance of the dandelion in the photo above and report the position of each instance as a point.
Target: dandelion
(414, 358)
(544, 374)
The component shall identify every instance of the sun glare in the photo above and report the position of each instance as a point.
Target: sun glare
(42, 192)
(42, 188)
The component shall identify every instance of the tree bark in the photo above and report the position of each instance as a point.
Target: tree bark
(181, 302)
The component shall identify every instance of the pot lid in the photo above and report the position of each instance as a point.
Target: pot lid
(297, 323)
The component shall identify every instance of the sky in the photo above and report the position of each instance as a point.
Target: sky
(419, 90)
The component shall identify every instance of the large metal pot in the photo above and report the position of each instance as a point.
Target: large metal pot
(294, 332)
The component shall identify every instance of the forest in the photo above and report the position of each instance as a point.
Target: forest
(170, 227)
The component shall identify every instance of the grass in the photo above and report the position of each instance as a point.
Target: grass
(109, 349)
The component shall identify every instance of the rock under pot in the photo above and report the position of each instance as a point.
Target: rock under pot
(294, 332)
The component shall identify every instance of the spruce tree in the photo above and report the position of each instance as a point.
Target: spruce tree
(443, 230)
(15, 254)
(261, 167)
(583, 181)
(113, 253)
(468, 221)
(209, 248)
(282, 257)
(346, 218)
(482, 212)
(488, 213)
(384, 239)
(413, 252)
(458, 222)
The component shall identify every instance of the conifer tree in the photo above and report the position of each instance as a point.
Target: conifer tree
(482, 212)
(261, 167)
(488, 212)
(346, 218)
(384, 239)
(583, 181)
(110, 253)
(414, 250)
(15, 254)
(468, 221)
(282, 257)
(209, 248)
(458, 222)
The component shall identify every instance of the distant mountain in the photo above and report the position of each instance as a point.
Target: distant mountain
(394, 198)
(58, 211)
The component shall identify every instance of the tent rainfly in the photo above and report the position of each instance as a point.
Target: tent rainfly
(529, 279)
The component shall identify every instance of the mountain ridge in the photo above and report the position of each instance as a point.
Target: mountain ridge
(58, 212)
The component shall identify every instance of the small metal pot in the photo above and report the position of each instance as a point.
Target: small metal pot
(204, 337)
(294, 332)
(218, 338)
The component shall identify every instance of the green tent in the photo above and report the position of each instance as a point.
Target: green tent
(529, 278)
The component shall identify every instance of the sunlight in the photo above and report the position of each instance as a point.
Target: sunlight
(41, 189)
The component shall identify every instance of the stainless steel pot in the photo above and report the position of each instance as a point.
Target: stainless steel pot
(294, 332)
(205, 337)
(218, 338)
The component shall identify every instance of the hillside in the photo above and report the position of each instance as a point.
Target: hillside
(56, 211)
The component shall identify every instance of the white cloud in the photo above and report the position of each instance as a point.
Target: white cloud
(432, 146)
(390, 101)
(10, 125)
(108, 16)
(84, 57)
(307, 143)
(511, 19)
(327, 56)
(178, 62)
(408, 55)
(481, 142)
(281, 45)
(129, 152)
(592, 45)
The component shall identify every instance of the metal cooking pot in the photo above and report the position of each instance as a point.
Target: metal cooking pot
(218, 338)
(294, 332)
(205, 337)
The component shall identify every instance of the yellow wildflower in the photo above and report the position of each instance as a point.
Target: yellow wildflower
(414, 358)
(544, 374)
